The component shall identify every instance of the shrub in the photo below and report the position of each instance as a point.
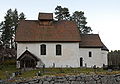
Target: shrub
(9, 62)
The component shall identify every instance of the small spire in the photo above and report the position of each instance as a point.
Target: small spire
(26, 48)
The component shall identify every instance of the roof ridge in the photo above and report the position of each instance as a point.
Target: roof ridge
(44, 13)
(89, 34)
(30, 20)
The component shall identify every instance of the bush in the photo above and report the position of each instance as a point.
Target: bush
(9, 62)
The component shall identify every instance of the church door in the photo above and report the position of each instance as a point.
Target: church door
(81, 62)
(27, 63)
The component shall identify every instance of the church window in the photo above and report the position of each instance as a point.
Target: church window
(43, 49)
(58, 50)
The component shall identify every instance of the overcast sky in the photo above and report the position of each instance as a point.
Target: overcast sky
(103, 16)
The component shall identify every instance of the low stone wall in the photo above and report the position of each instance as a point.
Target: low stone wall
(79, 79)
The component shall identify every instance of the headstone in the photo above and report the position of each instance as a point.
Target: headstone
(109, 70)
(13, 75)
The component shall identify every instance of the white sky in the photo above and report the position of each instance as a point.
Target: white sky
(103, 16)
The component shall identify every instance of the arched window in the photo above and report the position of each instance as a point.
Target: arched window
(43, 49)
(58, 50)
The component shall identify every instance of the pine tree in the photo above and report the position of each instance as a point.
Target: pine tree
(62, 13)
(15, 20)
(22, 16)
(8, 27)
(77, 16)
(80, 19)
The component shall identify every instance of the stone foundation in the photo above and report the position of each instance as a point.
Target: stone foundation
(79, 79)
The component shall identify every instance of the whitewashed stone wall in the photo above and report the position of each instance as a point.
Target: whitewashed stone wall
(99, 57)
(71, 54)
(105, 57)
(69, 57)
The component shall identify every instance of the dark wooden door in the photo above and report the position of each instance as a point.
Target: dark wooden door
(81, 62)
(28, 63)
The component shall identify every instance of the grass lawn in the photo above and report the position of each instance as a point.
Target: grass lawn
(6, 71)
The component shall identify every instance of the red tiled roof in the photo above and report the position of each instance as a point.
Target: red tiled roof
(47, 30)
(91, 40)
(35, 31)
(104, 47)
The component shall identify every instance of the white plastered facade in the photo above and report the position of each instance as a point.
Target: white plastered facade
(98, 57)
(71, 54)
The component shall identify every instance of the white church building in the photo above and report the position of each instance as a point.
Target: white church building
(57, 44)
